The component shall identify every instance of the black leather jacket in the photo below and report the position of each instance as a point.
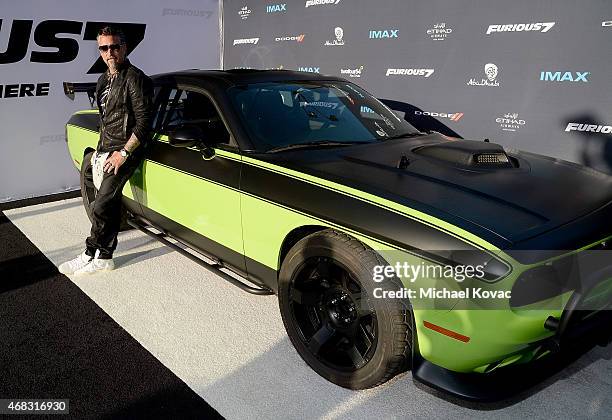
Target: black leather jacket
(128, 108)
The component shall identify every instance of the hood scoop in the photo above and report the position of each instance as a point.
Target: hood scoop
(469, 153)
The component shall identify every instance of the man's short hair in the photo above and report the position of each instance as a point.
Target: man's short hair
(111, 30)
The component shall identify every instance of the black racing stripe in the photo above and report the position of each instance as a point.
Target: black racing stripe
(358, 215)
(219, 170)
(88, 121)
(367, 218)
(57, 343)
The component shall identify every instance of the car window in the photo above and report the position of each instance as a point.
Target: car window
(185, 107)
(281, 114)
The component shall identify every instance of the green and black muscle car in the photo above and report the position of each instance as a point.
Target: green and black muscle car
(308, 187)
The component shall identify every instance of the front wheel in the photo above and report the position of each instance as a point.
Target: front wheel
(337, 327)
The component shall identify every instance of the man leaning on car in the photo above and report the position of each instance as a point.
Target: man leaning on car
(125, 96)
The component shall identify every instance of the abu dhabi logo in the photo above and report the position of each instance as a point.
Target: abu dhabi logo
(310, 69)
(589, 128)
(409, 72)
(246, 41)
(455, 116)
(510, 122)
(321, 2)
(439, 32)
(297, 38)
(521, 27)
(491, 71)
(352, 72)
(564, 76)
(339, 33)
(244, 13)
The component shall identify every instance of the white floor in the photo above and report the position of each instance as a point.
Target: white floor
(230, 347)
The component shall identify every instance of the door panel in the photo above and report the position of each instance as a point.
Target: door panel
(194, 199)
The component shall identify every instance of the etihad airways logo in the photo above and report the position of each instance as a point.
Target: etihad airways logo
(456, 116)
(244, 13)
(521, 27)
(298, 38)
(589, 128)
(510, 122)
(491, 71)
(246, 41)
(439, 32)
(410, 72)
(321, 2)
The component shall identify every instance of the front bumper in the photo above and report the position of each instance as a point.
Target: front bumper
(560, 350)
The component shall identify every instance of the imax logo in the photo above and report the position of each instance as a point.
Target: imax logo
(274, 8)
(310, 69)
(388, 33)
(567, 76)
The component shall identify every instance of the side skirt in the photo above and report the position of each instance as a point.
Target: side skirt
(215, 267)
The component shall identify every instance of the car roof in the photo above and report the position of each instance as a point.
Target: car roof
(245, 76)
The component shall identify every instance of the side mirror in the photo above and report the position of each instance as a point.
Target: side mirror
(192, 136)
(186, 136)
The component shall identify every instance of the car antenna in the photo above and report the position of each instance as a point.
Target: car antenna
(403, 162)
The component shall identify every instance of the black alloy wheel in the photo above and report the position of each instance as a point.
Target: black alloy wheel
(337, 327)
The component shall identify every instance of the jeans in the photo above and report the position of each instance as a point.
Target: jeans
(106, 212)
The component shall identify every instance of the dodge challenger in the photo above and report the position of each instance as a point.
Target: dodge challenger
(389, 248)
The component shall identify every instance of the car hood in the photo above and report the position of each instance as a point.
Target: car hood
(462, 182)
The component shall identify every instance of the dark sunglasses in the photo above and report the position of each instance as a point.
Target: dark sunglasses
(113, 47)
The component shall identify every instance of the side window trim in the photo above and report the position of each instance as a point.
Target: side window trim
(181, 87)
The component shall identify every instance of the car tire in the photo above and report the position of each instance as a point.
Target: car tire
(88, 193)
(337, 327)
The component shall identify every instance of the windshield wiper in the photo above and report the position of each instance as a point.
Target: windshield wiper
(314, 144)
(405, 136)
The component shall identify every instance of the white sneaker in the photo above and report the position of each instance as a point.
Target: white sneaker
(96, 265)
(69, 267)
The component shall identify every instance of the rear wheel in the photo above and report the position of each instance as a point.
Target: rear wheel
(337, 327)
(88, 192)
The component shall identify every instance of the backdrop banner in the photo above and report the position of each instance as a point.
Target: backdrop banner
(528, 74)
(44, 43)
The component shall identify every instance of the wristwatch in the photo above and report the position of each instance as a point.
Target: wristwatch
(124, 153)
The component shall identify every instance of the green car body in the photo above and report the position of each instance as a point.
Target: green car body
(229, 215)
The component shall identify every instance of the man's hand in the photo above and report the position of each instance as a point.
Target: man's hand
(114, 162)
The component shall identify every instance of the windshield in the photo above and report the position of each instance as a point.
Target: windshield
(289, 113)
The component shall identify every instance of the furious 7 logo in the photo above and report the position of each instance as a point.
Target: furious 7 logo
(46, 36)
(521, 27)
